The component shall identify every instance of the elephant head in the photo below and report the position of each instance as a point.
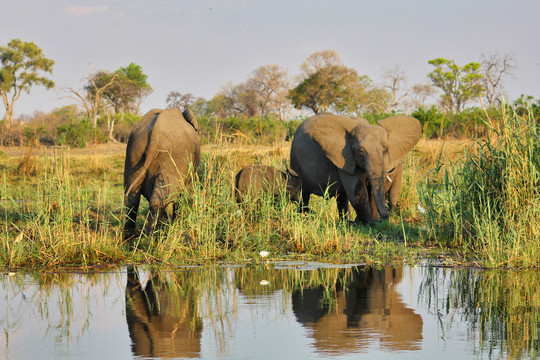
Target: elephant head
(366, 152)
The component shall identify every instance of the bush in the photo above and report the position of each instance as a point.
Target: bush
(431, 120)
(256, 130)
(78, 134)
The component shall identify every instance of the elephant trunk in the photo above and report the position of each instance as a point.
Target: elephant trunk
(377, 180)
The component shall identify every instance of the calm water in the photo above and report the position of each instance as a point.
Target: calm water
(272, 311)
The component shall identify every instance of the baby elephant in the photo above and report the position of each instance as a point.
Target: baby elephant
(267, 179)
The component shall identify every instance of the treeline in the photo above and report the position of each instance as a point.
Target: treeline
(68, 126)
(454, 101)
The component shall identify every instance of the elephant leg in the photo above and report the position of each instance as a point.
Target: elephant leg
(395, 187)
(343, 205)
(157, 210)
(304, 204)
(131, 203)
(357, 195)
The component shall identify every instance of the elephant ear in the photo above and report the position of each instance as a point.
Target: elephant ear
(331, 132)
(403, 133)
(190, 118)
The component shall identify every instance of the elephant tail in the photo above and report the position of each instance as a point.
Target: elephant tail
(151, 153)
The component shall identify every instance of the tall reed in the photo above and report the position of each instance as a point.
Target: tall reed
(490, 200)
(55, 218)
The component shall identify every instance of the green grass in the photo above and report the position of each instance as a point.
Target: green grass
(67, 211)
(481, 201)
(489, 200)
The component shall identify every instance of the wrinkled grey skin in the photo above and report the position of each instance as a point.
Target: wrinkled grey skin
(266, 179)
(161, 151)
(353, 160)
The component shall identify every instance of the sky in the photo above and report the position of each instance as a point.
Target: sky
(198, 46)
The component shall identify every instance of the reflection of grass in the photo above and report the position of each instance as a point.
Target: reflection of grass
(65, 301)
(249, 278)
(502, 307)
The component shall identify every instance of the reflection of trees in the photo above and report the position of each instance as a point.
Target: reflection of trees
(162, 317)
(502, 307)
(352, 315)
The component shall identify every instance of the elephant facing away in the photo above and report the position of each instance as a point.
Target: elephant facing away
(162, 149)
(353, 160)
(162, 316)
(257, 179)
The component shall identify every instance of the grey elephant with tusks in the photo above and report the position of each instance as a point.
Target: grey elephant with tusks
(353, 160)
(162, 149)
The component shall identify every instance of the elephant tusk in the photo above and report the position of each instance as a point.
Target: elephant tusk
(388, 177)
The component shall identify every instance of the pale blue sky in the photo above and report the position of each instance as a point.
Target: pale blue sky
(198, 46)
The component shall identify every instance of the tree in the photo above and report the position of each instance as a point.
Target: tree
(22, 64)
(264, 93)
(271, 84)
(198, 105)
(319, 60)
(327, 84)
(394, 79)
(459, 84)
(92, 97)
(494, 68)
(327, 87)
(419, 94)
(126, 92)
(181, 101)
(123, 91)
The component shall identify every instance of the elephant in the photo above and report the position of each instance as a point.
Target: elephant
(162, 316)
(367, 309)
(353, 160)
(162, 149)
(261, 178)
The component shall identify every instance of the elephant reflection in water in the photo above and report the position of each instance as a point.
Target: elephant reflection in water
(162, 318)
(366, 309)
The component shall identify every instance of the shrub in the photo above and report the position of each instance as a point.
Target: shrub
(78, 134)
(490, 200)
(431, 120)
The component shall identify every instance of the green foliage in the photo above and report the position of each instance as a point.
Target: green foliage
(459, 84)
(78, 134)
(490, 199)
(527, 106)
(258, 129)
(122, 89)
(22, 63)
(332, 87)
(431, 120)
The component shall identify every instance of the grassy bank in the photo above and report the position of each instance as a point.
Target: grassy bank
(62, 208)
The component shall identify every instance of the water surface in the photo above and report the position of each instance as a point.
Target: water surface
(274, 310)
